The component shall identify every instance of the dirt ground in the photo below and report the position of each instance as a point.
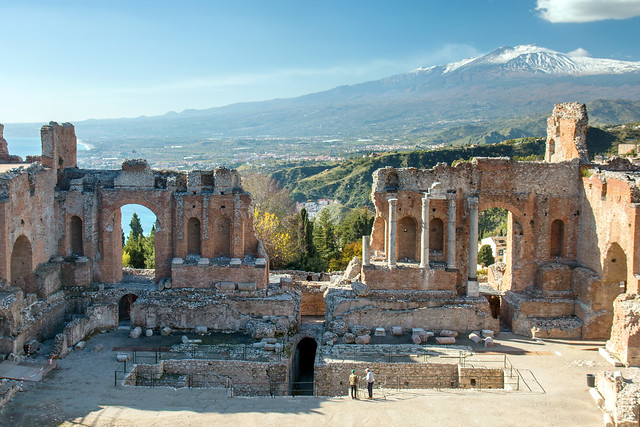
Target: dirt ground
(81, 392)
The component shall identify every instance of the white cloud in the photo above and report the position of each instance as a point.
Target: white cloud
(557, 11)
(579, 52)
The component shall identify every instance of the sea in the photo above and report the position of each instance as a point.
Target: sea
(24, 146)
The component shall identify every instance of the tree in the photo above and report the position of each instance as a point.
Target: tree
(149, 246)
(324, 238)
(348, 252)
(357, 223)
(485, 256)
(136, 226)
(268, 195)
(277, 241)
(135, 251)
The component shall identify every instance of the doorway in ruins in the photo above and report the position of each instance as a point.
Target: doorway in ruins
(124, 307)
(499, 234)
(22, 265)
(139, 225)
(614, 279)
(302, 368)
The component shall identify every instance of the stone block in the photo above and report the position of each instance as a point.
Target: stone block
(349, 338)
(396, 331)
(185, 339)
(122, 357)
(269, 340)
(487, 333)
(363, 339)
(329, 338)
(226, 286)
(448, 333)
(135, 332)
(201, 329)
(177, 261)
(148, 332)
(247, 286)
(353, 269)
(235, 263)
(475, 337)
(260, 263)
(270, 347)
(166, 331)
(416, 338)
(445, 340)
(553, 277)
(380, 332)
(488, 342)
(80, 345)
(360, 289)
(203, 262)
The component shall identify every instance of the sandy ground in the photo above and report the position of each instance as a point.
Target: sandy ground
(81, 392)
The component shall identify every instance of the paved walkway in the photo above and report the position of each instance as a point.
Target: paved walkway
(81, 391)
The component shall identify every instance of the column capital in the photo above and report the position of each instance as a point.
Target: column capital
(472, 201)
(392, 200)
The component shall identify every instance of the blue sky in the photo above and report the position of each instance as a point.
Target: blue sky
(77, 59)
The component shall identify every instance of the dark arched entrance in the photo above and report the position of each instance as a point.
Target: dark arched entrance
(303, 367)
(22, 265)
(124, 307)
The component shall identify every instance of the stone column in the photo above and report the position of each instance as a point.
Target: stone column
(366, 256)
(472, 284)
(451, 234)
(424, 237)
(391, 246)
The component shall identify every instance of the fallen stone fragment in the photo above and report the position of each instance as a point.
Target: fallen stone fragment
(201, 329)
(185, 339)
(416, 339)
(486, 333)
(98, 348)
(380, 332)
(270, 347)
(166, 331)
(363, 339)
(122, 357)
(149, 332)
(339, 327)
(269, 340)
(396, 331)
(448, 333)
(488, 342)
(475, 337)
(445, 340)
(135, 332)
(349, 338)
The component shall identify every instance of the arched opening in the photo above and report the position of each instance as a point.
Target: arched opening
(407, 240)
(557, 238)
(75, 236)
(499, 239)
(222, 237)
(614, 279)
(138, 225)
(193, 237)
(124, 306)
(21, 265)
(436, 239)
(303, 367)
(393, 182)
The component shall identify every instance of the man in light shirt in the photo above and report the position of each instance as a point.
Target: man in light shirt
(369, 379)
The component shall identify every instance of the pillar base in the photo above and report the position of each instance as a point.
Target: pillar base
(473, 288)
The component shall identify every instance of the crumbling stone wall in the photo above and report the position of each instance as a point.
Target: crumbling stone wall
(625, 333)
(567, 133)
(97, 318)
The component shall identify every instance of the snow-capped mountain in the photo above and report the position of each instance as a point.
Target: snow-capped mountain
(535, 60)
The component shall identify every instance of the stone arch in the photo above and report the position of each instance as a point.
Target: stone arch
(556, 241)
(22, 264)
(303, 367)
(436, 235)
(194, 245)
(75, 236)
(222, 237)
(614, 269)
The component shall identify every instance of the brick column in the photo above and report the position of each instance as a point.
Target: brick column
(451, 233)
(424, 237)
(391, 246)
(472, 284)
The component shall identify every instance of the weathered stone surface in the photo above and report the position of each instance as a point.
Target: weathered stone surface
(166, 331)
(360, 289)
(416, 338)
(80, 345)
(488, 342)
(475, 337)
(122, 357)
(349, 338)
(487, 333)
(353, 269)
(448, 333)
(201, 329)
(329, 338)
(363, 339)
(445, 340)
(148, 332)
(185, 339)
(380, 332)
(396, 331)
(340, 328)
(135, 332)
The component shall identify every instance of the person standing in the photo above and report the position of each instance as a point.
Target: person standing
(369, 379)
(353, 384)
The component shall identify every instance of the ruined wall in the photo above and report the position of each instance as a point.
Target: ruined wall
(428, 310)
(97, 318)
(567, 133)
(625, 333)
(59, 146)
(536, 194)
(226, 275)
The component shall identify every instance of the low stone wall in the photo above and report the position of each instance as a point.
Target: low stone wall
(407, 276)
(186, 309)
(431, 311)
(97, 317)
(620, 396)
(247, 378)
(332, 379)
(209, 276)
